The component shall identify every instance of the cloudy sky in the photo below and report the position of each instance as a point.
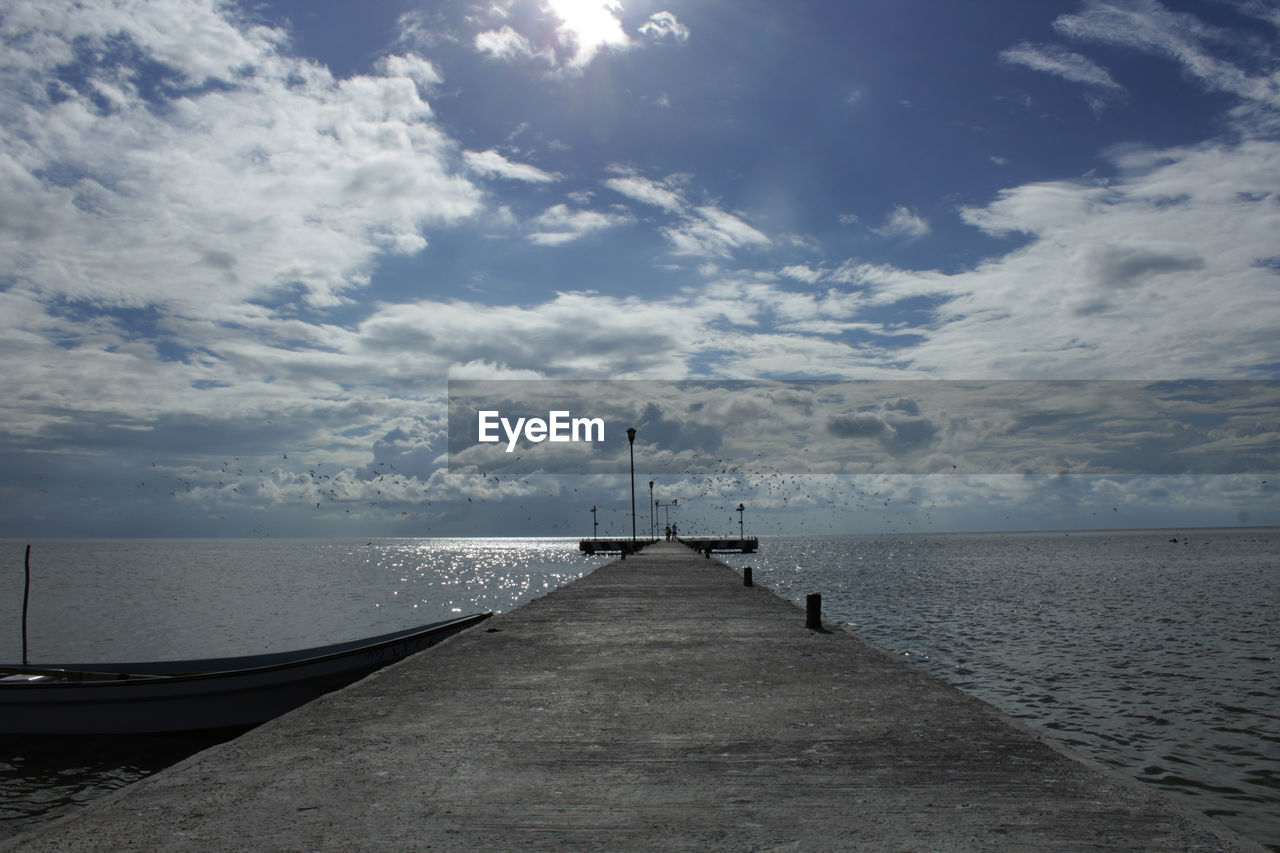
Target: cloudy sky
(246, 245)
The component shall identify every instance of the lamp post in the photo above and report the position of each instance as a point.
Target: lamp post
(631, 444)
(651, 536)
(595, 525)
(666, 511)
(741, 508)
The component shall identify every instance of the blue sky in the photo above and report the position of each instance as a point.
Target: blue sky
(247, 244)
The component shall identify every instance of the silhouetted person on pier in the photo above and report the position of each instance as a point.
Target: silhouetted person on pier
(668, 532)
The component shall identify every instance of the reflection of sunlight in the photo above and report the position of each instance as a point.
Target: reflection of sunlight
(590, 24)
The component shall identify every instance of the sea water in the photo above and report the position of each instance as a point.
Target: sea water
(1152, 651)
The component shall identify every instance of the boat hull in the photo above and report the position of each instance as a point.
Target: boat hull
(171, 696)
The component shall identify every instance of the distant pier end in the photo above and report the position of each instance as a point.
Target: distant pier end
(617, 546)
(703, 545)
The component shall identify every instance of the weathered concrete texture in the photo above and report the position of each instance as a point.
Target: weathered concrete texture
(655, 704)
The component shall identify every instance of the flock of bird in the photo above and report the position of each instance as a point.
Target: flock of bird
(708, 498)
(779, 500)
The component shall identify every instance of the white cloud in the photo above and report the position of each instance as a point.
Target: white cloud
(648, 192)
(1161, 273)
(281, 179)
(199, 39)
(888, 284)
(1060, 62)
(417, 69)
(712, 231)
(575, 335)
(561, 224)
(903, 222)
(492, 163)
(663, 24)
(800, 272)
(507, 44)
(699, 229)
(1263, 10)
(481, 369)
(1044, 206)
(787, 354)
(1147, 25)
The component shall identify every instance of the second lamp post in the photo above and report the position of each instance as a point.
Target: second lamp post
(631, 444)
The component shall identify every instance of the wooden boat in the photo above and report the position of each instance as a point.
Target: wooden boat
(167, 696)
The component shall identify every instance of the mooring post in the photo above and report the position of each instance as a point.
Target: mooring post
(813, 611)
(746, 576)
(26, 596)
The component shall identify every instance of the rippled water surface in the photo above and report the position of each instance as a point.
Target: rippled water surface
(1156, 657)
(157, 599)
(152, 599)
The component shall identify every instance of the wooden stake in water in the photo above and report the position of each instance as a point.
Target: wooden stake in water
(26, 596)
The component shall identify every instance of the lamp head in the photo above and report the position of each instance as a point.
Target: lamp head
(631, 435)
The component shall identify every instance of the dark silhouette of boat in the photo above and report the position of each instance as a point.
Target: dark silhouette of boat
(169, 696)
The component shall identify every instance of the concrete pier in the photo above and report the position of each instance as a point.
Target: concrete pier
(656, 704)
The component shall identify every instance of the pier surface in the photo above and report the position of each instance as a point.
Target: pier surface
(657, 704)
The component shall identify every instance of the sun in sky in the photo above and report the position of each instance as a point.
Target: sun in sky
(589, 27)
